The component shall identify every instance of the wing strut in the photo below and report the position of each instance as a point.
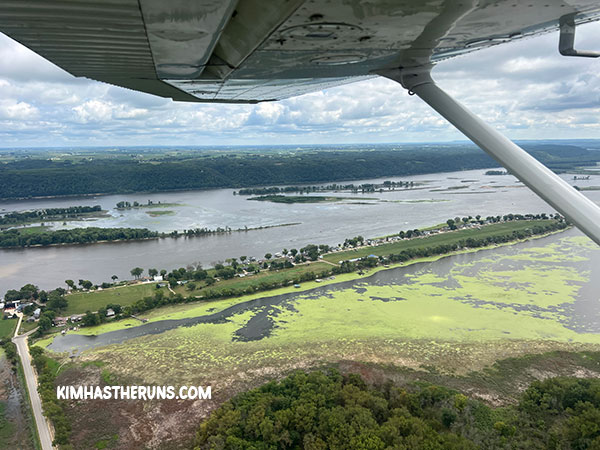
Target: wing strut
(554, 190)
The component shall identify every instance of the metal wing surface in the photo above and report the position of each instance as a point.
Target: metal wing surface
(256, 50)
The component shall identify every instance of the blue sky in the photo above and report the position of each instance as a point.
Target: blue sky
(525, 89)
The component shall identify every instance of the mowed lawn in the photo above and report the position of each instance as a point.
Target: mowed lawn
(7, 327)
(80, 302)
(265, 276)
(437, 239)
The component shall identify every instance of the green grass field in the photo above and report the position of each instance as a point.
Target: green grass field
(33, 229)
(27, 326)
(7, 328)
(265, 276)
(430, 241)
(80, 302)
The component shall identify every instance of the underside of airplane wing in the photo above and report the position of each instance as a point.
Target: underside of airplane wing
(256, 50)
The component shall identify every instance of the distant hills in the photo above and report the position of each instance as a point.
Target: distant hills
(42, 174)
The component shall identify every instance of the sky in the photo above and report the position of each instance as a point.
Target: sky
(525, 89)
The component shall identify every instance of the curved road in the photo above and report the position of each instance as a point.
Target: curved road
(36, 403)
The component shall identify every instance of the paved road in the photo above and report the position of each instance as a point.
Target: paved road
(34, 396)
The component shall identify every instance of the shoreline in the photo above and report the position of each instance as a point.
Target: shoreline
(192, 309)
(308, 183)
(165, 235)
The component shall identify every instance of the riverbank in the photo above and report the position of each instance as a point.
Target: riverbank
(445, 318)
(11, 239)
(200, 308)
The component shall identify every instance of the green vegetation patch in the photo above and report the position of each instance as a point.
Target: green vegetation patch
(329, 410)
(420, 321)
(495, 229)
(160, 213)
(7, 328)
(262, 279)
(80, 302)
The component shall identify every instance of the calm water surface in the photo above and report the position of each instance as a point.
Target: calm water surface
(439, 197)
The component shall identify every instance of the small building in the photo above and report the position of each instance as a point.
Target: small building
(36, 313)
(110, 312)
(1, 305)
(22, 306)
(59, 321)
(158, 278)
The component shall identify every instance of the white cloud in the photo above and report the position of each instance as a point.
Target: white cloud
(11, 109)
(525, 88)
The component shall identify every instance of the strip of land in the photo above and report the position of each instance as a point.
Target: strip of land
(244, 280)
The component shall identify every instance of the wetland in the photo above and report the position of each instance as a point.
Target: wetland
(541, 289)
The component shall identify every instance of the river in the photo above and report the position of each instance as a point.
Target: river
(434, 199)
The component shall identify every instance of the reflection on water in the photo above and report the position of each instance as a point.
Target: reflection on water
(448, 273)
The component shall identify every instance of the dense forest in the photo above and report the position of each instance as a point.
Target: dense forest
(46, 177)
(321, 410)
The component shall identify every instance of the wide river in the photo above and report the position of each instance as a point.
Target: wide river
(434, 199)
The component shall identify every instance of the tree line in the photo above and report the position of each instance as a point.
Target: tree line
(17, 237)
(366, 187)
(328, 410)
(46, 177)
(36, 215)
(28, 237)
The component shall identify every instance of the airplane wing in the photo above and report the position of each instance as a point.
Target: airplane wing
(255, 50)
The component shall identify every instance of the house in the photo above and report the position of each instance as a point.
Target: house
(36, 313)
(59, 321)
(12, 305)
(158, 278)
(1, 305)
(22, 306)
(110, 312)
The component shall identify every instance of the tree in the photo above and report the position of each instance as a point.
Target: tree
(70, 283)
(87, 284)
(44, 323)
(163, 272)
(56, 301)
(243, 258)
(90, 319)
(136, 272)
(268, 256)
(29, 291)
(114, 278)
(152, 272)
